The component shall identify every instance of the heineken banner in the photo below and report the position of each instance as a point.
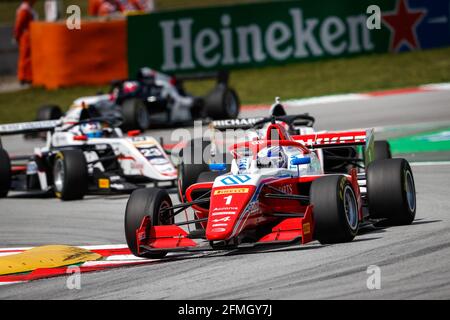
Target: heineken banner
(280, 32)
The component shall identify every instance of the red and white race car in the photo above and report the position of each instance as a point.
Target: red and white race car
(196, 154)
(276, 193)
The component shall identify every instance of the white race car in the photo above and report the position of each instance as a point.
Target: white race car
(85, 152)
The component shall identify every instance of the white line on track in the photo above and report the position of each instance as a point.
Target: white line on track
(101, 263)
(436, 86)
(11, 282)
(93, 247)
(429, 163)
(123, 257)
(326, 99)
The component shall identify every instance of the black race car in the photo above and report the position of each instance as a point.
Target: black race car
(155, 99)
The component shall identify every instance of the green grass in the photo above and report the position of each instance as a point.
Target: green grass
(427, 141)
(254, 86)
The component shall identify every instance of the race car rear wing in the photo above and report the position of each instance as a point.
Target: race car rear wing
(28, 127)
(221, 76)
(333, 139)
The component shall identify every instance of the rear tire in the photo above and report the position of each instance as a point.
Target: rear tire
(70, 175)
(142, 203)
(5, 173)
(335, 209)
(135, 115)
(391, 191)
(45, 113)
(49, 112)
(222, 103)
(382, 150)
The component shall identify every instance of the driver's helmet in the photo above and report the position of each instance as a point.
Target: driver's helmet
(92, 129)
(272, 157)
(146, 74)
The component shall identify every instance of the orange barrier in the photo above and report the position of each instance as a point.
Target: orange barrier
(96, 54)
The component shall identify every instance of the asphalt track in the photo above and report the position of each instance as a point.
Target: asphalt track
(414, 260)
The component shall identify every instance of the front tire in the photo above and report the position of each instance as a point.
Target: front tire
(5, 173)
(335, 209)
(391, 191)
(70, 175)
(142, 203)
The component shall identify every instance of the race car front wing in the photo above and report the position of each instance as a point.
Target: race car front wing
(292, 229)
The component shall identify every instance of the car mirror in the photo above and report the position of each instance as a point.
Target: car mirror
(300, 161)
(217, 166)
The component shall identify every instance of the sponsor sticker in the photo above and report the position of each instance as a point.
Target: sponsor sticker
(225, 208)
(223, 213)
(103, 183)
(137, 166)
(143, 141)
(238, 179)
(158, 161)
(233, 190)
(307, 228)
(220, 225)
(224, 219)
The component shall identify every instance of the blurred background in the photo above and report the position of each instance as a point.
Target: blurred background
(118, 37)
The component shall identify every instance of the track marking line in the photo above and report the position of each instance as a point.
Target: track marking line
(429, 163)
(11, 282)
(113, 256)
(91, 247)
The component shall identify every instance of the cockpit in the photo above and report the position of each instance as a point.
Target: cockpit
(252, 156)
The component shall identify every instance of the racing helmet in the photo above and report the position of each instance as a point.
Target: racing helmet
(272, 157)
(92, 129)
(146, 74)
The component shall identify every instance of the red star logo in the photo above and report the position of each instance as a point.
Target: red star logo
(403, 22)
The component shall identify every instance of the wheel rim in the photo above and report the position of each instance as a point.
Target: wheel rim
(143, 118)
(162, 216)
(350, 207)
(231, 104)
(58, 174)
(409, 190)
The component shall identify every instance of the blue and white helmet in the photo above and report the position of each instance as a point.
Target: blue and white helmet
(272, 157)
(92, 129)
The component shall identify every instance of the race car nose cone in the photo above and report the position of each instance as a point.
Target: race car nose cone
(227, 211)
